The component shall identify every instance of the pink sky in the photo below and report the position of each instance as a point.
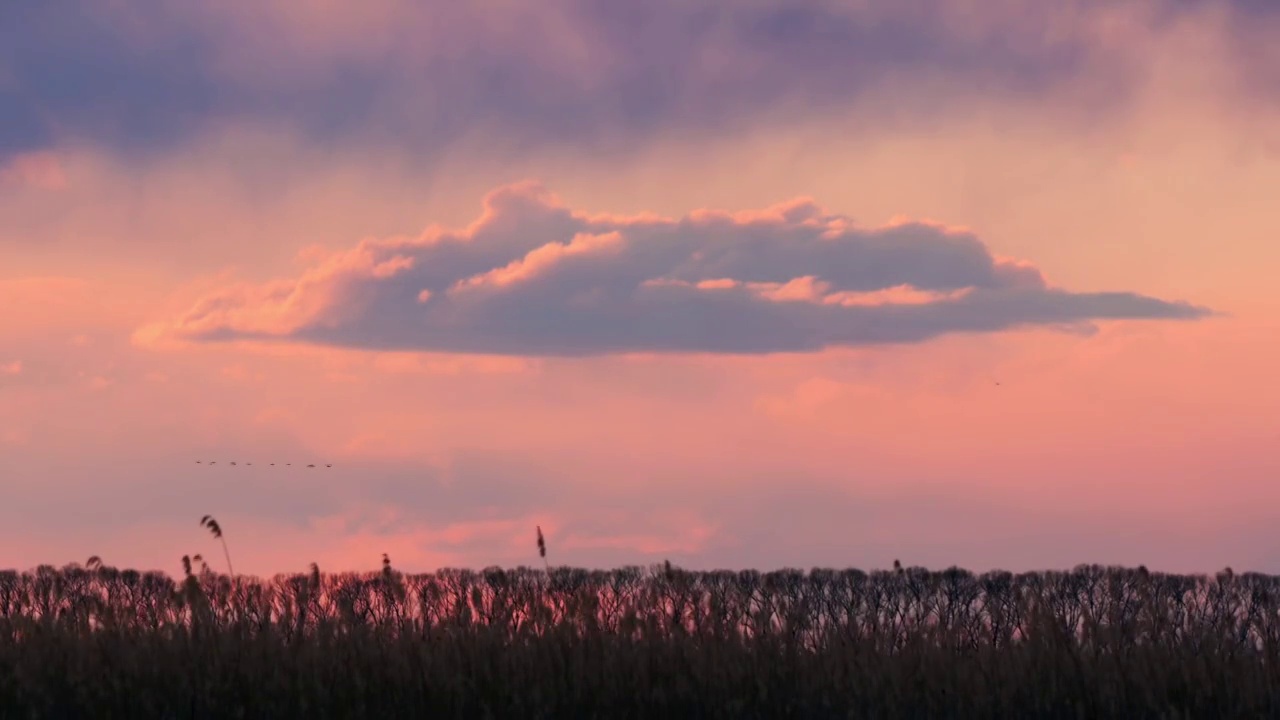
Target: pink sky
(732, 289)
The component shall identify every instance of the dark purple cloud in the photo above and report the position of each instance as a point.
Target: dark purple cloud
(140, 76)
(532, 277)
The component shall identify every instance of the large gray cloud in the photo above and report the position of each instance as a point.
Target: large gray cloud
(138, 77)
(532, 277)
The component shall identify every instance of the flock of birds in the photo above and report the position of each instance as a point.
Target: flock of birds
(215, 462)
(329, 465)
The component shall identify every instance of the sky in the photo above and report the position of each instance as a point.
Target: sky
(736, 283)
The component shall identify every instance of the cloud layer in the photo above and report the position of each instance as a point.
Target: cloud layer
(533, 277)
(417, 76)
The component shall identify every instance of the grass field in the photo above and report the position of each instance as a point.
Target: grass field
(1095, 642)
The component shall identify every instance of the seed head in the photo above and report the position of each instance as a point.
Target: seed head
(214, 528)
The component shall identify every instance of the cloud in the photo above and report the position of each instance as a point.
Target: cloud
(41, 170)
(417, 76)
(533, 277)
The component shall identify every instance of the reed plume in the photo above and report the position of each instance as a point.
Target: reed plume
(216, 530)
(542, 548)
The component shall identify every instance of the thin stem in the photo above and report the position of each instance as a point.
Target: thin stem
(227, 552)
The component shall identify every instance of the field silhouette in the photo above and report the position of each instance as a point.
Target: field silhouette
(1094, 642)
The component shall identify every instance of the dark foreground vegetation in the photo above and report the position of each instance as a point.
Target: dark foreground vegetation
(1092, 643)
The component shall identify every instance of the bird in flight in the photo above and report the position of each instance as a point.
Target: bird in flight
(233, 463)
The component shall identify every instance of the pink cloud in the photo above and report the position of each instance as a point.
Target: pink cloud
(533, 277)
(38, 170)
(679, 532)
(540, 261)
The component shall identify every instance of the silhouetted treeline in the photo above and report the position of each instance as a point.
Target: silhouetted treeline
(1094, 642)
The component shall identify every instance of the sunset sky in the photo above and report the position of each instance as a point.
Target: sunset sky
(735, 283)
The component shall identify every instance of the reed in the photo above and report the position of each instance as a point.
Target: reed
(216, 530)
(1096, 642)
